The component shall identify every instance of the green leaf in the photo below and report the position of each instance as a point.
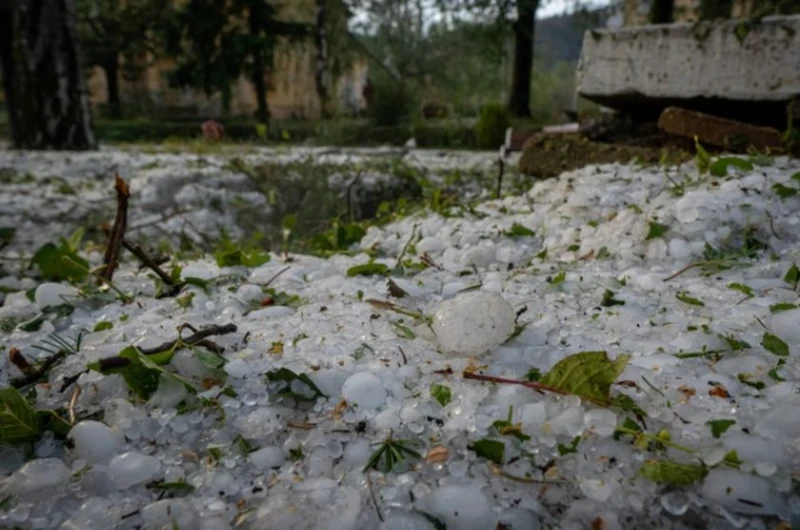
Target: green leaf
(674, 473)
(534, 374)
(559, 278)
(745, 379)
(588, 375)
(742, 288)
(243, 445)
(173, 489)
(141, 374)
(7, 233)
(103, 325)
(602, 253)
(441, 393)
(773, 373)
(781, 306)
(209, 359)
(784, 192)
(231, 255)
(490, 449)
(571, 448)
(19, 422)
(287, 376)
(367, 269)
(720, 166)
(718, 427)
(792, 276)
(609, 300)
(52, 266)
(774, 344)
(686, 299)
(629, 425)
(732, 459)
(703, 159)
(404, 331)
(50, 313)
(185, 301)
(289, 221)
(733, 343)
(796, 176)
(517, 230)
(656, 230)
(51, 421)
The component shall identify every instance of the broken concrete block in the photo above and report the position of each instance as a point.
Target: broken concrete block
(735, 68)
(716, 131)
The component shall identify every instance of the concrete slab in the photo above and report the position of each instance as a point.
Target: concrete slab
(740, 69)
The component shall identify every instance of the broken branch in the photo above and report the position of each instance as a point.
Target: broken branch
(117, 233)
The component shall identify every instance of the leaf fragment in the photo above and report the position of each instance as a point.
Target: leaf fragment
(674, 473)
(587, 374)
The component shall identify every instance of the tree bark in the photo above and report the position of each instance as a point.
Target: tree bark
(262, 114)
(524, 28)
(321, 77)
(111, 69)
(51, 101)
(662, 11)
(7, 56)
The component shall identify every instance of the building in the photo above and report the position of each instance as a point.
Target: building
(291, 84)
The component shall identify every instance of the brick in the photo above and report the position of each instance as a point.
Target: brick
(716, 131)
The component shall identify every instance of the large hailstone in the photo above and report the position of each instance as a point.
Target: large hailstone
(473, 323)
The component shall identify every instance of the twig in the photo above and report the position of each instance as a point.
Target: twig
(117, 233)
(403, 354)
(500, 178)
(528, 384)
(372, 494)
(137, 251)
(275, 276)
(191, 340)
(686, 268)
(72, 402)
(39, 373)
(349, 212)
(405, 247)
(199, 338)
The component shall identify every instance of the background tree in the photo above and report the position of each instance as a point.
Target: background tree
(115, 31)
(216, 41)
(50, 107)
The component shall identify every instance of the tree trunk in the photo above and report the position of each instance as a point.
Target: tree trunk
(51, 103)
(111, 69)
(524, 27)
(262, 114)
(321, 68)
(662, 11)
(7, 56)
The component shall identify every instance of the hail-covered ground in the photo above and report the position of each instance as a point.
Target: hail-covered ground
(650, 314)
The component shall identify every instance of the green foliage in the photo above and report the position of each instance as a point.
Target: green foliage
(229, 254)
(368, 269)
(718, 427)
(686, 299)
(673, 473)
(393, 103)
(774, 345)
(390, 453)
(719, 168)
(609, 300)
(51, 262)
(655, 230)
(103, 325)
(140, 372)
(441, 393)
(490, 129)
(571, 448)
(21, 423)
(489, 449)
(287, 377)
(782, 306)
(588, 375)
(517, 230)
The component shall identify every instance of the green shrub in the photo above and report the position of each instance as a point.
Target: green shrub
(392, 104)
(490, 130)
(444, 135)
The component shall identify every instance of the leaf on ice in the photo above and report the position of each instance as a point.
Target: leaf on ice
(141, 374)
(686, 299)
(367, 269)
(718, 427)
(655, 230)
(518, 230)
(774, 345)
(19, 422)
(792, 276)
(720, 166)
(441, 393)
(781, 306)
(287, 376)
(587, 374)
(669, 472)
(490, 449)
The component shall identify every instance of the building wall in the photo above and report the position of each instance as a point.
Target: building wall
(292, 90)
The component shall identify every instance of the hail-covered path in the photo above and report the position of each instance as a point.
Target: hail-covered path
(652, 315)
